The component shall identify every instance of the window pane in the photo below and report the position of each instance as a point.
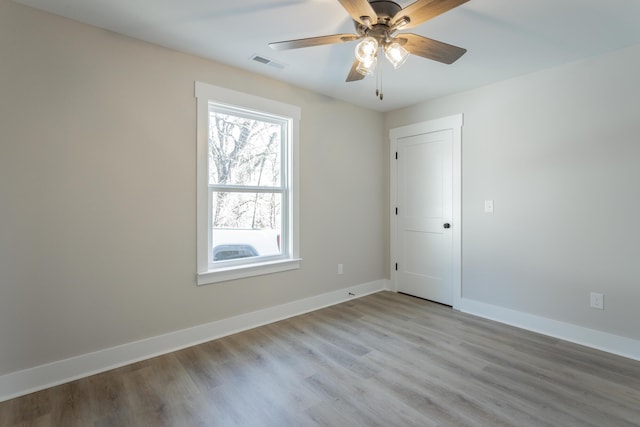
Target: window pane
(246, 225)
(244, 151)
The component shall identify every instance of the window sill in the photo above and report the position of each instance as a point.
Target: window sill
(242, 271)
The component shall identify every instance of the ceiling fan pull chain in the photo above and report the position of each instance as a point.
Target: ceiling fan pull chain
(381, 94)
(377, 80)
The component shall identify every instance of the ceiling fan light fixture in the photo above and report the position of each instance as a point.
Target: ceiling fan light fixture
(368, 67)
(367, 49)
(396, 54)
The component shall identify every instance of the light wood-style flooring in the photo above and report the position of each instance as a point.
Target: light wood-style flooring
(382, 360)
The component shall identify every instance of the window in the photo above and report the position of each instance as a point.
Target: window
(247, 204)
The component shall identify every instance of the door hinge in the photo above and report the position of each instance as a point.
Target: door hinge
(396, 211)
(396, 155)
(396, 266)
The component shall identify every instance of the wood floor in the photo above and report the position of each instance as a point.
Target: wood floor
(383, 360)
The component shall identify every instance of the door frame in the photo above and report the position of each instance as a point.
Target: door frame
(453, 123)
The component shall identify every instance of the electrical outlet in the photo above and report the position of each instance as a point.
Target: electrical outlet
(340, 269)
(488, 206)
(597, 300)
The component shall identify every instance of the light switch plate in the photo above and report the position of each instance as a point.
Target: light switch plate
(488, 206)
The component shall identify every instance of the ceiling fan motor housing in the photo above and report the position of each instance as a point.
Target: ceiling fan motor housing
(380, 27)
(385, 10)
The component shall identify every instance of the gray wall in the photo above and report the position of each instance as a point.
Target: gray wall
(97, 192)
(558, 152)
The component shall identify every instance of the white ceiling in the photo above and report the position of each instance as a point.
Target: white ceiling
(504, 38)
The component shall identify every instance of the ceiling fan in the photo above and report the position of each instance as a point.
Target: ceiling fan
(377, 22)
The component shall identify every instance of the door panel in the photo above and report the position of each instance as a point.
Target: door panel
(425, 204)
(423, 176)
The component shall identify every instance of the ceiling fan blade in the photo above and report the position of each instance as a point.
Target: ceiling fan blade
(359, 9)
(423, 10)
(313, 41)
(431, 49)
(353, 74)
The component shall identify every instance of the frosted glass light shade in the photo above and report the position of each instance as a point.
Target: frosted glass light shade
(367, 68)
(367, 49)
(396, 54)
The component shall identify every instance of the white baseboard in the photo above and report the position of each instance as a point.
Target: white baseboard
(610, 343)
(44, 376)
(27, 381)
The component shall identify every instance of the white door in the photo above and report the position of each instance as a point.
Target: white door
(424, 247)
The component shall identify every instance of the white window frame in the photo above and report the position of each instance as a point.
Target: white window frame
(208, 272)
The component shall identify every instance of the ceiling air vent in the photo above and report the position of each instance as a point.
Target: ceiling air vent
(266, 61)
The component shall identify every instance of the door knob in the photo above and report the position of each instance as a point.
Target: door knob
(447, 225)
